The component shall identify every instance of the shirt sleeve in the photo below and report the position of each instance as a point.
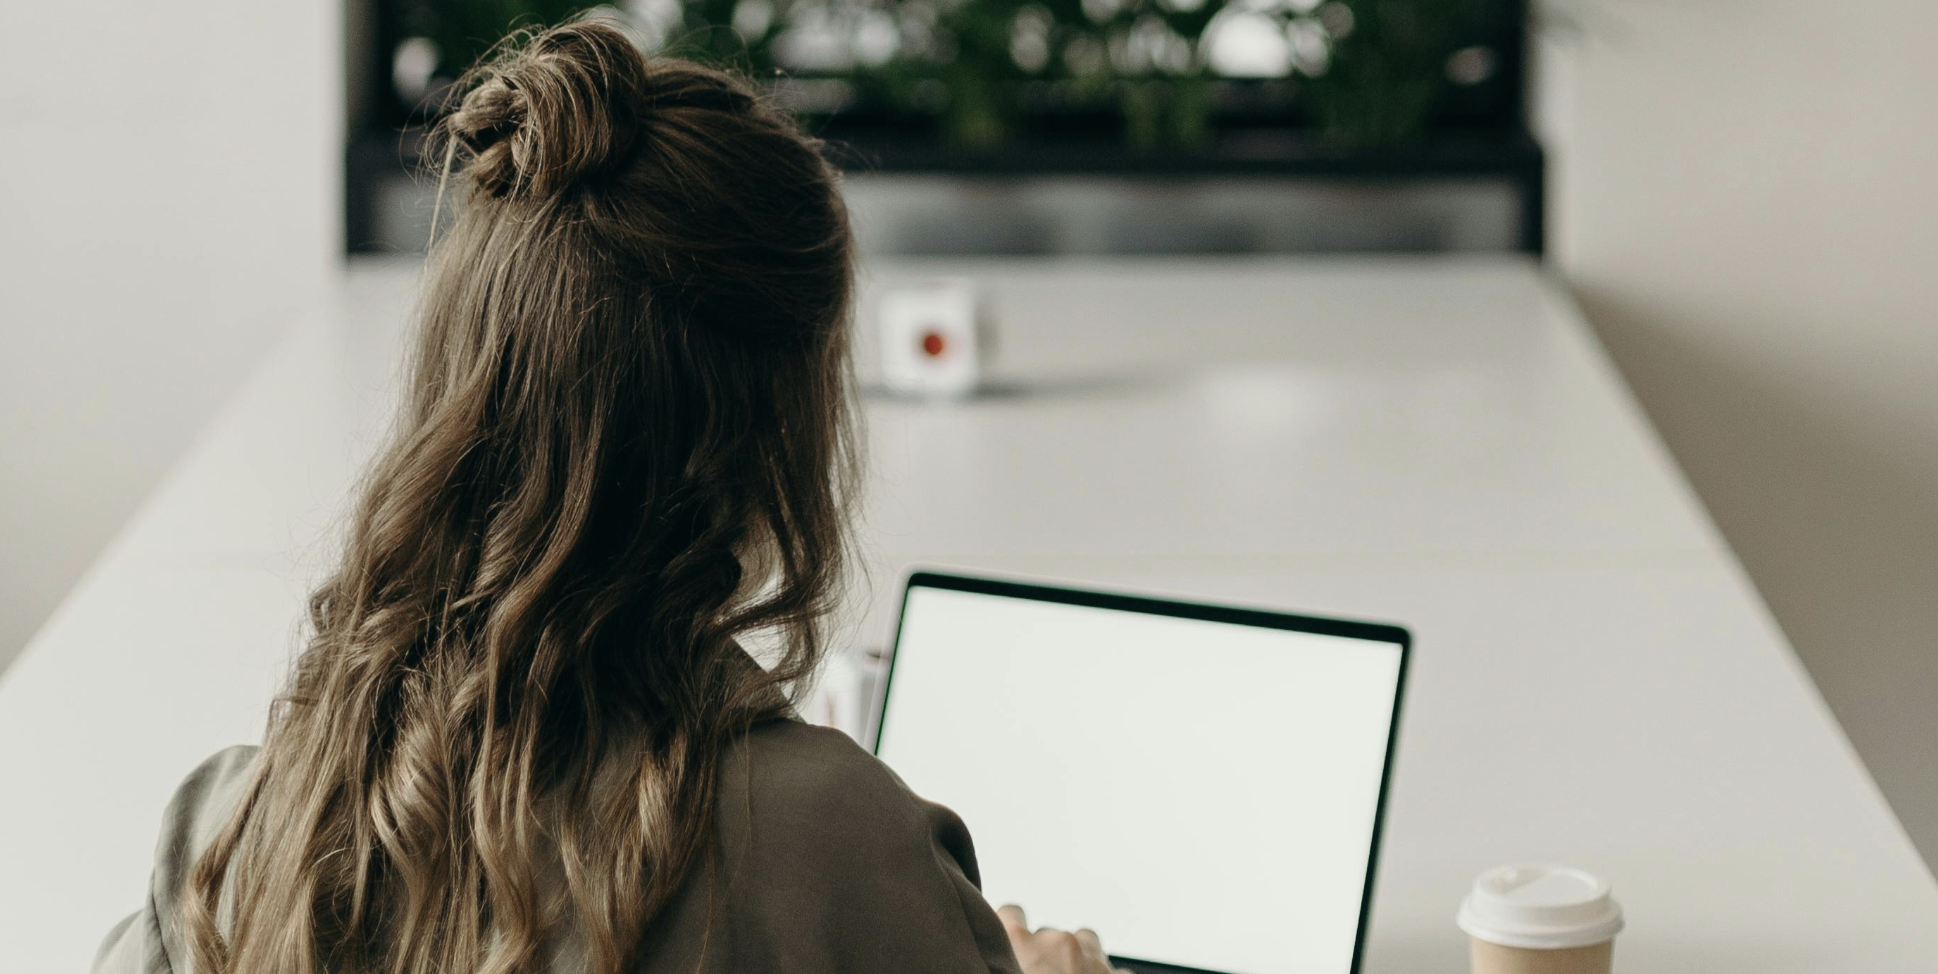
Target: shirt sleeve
(956, 858)
(835, 867)
(144, 943)
(134, 946)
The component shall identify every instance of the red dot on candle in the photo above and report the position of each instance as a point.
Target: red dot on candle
(934, 344)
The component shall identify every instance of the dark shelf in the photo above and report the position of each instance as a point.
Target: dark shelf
(1512, 157)
(1262, 153)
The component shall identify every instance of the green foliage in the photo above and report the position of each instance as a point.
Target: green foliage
(464, 30)
(1385, 75)
(1369, 71)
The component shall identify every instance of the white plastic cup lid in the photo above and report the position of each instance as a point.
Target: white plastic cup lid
(1541, 907)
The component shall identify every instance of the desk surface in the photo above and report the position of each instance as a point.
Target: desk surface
(1435, 442)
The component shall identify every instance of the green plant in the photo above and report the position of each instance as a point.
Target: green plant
(1367, 71)
(1385, 74)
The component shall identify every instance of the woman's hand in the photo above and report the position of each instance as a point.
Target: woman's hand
(1049, 951)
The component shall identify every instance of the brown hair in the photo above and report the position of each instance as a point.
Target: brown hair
(625, 448)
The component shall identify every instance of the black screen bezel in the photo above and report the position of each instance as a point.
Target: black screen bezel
(1175, 608)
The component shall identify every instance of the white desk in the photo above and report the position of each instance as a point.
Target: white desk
(1438, 443)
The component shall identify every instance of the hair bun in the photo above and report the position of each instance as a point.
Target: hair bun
(541, 116)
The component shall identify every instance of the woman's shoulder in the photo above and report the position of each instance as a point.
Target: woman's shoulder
(203, 802)
(814, 788)
(830, 854)
(808, 766)
(211, 789)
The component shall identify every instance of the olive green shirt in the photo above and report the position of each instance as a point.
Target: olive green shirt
(830, 866)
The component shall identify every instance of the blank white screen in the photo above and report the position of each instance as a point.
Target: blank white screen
(1200, 793)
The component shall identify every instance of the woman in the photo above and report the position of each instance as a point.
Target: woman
(524, 736)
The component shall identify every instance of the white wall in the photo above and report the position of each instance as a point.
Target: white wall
(1746, 201)
(169, 201)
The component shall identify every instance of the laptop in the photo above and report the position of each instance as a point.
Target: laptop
(1200, 784)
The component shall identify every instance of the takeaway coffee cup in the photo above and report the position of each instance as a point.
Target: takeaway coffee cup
(1540, 919)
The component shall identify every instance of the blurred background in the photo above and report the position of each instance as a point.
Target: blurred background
(1072, 126)
(1740, 195)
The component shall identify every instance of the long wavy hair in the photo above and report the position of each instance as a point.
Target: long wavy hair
(625, 449)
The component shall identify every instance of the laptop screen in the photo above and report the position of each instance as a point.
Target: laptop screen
(1202, 786)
